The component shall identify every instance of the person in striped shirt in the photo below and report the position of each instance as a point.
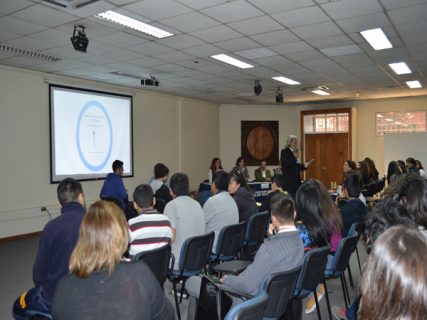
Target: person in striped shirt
(150, 229)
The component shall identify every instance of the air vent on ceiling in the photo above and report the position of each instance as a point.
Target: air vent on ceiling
(28, 53)
(71, 4)
(128, 75)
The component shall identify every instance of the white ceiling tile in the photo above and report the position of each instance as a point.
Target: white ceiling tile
(90, 10)
(292, 47)
(215, 34)
(31, 43)
(320, 30)
(237, 44)
(10, 6)
(233, 11)
(67, 52)
(408, 14)
(396, 4)
(62, 65)
(169, 67)
(150, 48)
(16, 60)
(411, 29)
(256, 53)
(256, 25)
(92, 28)
(146, 62)
(22, 27)
(97, 47)
(349, 8)
(96, 59)
(121, 39)
(157, 10)
(274, 6)
(275, 38)
(304, 56)
(121, 54)
(341, 50)
(301, 17)
(180, 41)
(272, 62)
(6, 35)
(203, 50)
(54, 37)
(201, 4)
(174, 56)
(366, 22)
(323, 43)
(189, 22)
(44, 15)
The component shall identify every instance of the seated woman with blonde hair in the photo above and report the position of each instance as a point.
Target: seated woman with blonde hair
(101, 285)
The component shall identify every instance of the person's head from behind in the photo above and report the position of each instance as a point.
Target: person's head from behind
(312, 201)
(240, 162)
(392, 168)
(410, 163)
(143, 197)
(220, 182)
(418, 165)
(364, 168)
(103, 239)
(352, 184)
(216, 164)
(276, 182)
(282, 210)
(237, 181)
(348, 165)
(402, 166)
(161, 172)
(411, 191)
(118, 167)
(180, 185)
(386, 214)
(70, 190)
(263, 164)
(371, 165)
(394, 283)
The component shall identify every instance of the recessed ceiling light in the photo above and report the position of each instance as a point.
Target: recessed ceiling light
(414, 84)
(389, 120)
(321, 92)
(230, 60)
(377, 39)
(379, 116)
(286, 80)
(398, 122)
(134, 24)
(400, 68)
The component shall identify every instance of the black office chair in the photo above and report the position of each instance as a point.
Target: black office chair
(252, 309)
(312, 273)
(194, 258)
(256, 228)
(160, 204)
(158, 260)
(340, 263)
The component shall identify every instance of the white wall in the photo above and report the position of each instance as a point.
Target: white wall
(164, 130)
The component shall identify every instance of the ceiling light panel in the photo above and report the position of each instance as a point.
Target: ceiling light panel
(230, 60)
(415, 84)
(400, 68)
(286, 80)
(377, 39)
(320, 92)
(134, 24)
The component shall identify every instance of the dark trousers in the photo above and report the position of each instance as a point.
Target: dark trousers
(31, 304)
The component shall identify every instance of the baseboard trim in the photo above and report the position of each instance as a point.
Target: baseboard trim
(21, 236)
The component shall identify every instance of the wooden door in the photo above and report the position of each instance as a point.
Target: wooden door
(330, 150)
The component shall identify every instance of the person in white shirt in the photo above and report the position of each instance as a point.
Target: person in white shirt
(185, 214)
(220, 209)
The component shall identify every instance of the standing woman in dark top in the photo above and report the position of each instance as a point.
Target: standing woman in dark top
(291, 167)
(100, 285)
(243, 196)
(365, 172)
(374, 174)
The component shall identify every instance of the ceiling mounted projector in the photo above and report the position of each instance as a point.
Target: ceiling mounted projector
(279, 95)
(151, 82)
(79, 39)
(257, 88)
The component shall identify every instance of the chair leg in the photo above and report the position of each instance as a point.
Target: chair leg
(350, 277)
(317, 305)
(182, 289)
(343, 291)
(327, 299)
(176, 299)
(346, 288)
(358, 260)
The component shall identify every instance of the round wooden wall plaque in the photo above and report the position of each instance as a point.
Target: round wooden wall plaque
(260, 142)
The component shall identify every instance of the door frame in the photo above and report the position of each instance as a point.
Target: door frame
(323, 111)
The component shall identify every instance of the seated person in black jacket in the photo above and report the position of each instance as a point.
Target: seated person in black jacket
(243, 195)
(276, 187)
(352, 209)
(101, 285)
(161, 190)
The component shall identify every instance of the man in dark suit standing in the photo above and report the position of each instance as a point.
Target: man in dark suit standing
(291, 166)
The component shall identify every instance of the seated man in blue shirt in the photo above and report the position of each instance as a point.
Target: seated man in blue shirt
(57, 241)
(113, 185)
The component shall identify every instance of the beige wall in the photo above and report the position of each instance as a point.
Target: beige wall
(364, 141)
(164, 130)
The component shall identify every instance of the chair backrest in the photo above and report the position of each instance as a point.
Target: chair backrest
(280, 287)
(230, 240)
(160, 204)
(195, 252)
(252, 309)
(256, 228)
(158, 260)
(342, 255)
(312, 271)
(357, 227)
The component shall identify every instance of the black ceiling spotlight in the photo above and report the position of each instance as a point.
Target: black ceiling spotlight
(79, 39)
(279, 95)
(150, 82)
(257, 88)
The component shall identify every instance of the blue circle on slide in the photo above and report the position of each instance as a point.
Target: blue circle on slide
(94, 104)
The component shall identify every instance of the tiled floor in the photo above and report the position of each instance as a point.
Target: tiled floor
(17, 258)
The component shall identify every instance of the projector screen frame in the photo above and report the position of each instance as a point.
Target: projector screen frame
(51, 128)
